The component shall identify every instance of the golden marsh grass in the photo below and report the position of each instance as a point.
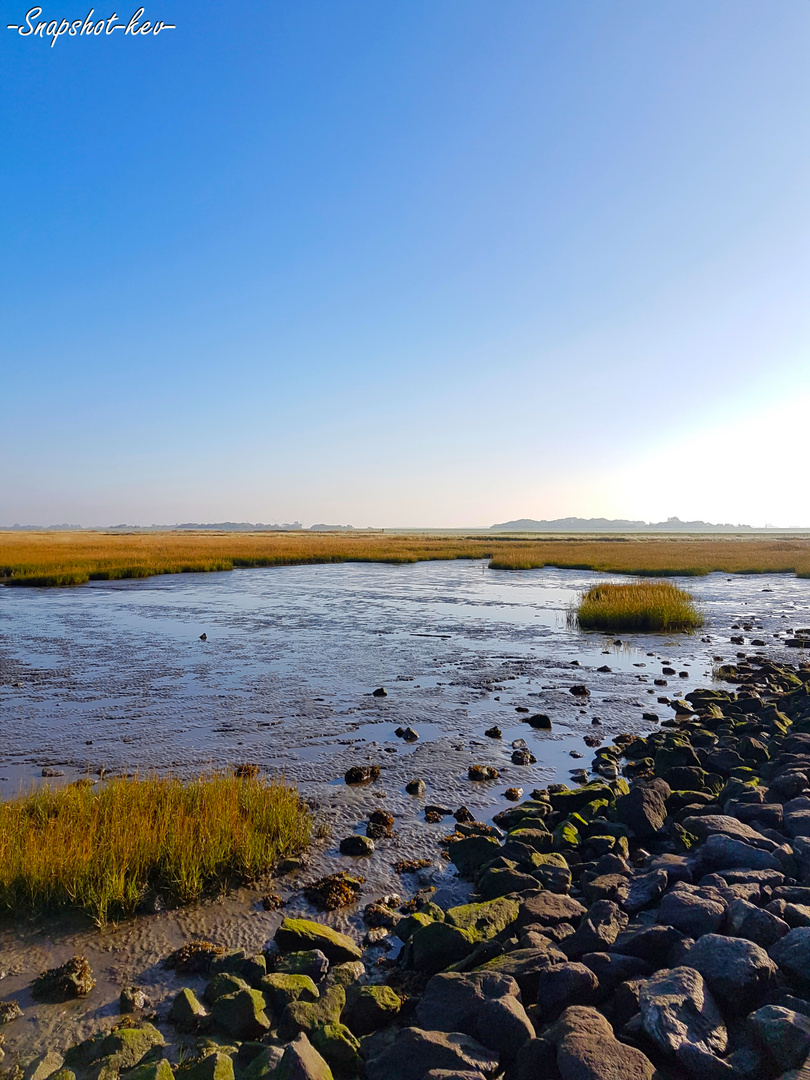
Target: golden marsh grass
(71, 558)
(638, 605)
(102, 850)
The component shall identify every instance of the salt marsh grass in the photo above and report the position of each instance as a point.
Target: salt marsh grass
(102, 850)
(638, 605)
(72, 558)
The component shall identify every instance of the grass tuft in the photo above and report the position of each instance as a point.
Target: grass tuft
(103, 850)
(638, 605)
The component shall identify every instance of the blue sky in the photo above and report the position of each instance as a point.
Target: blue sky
(431, 262)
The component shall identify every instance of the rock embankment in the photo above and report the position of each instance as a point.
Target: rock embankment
(652, 923)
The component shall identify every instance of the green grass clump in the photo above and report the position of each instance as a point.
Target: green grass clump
(103, 850)
(639, 605)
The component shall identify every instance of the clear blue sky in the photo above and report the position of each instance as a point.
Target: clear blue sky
(407, 262)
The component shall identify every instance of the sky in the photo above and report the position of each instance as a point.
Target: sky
(427, 263)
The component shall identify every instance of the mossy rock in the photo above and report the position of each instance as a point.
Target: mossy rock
(295, 935)
(346, 974)
(125, 1047)
(43, 1066)
(186, 1012)
(242, 1015)
(307, 1015)
(302, 1061)
(407, 927)
(537, 839)
(440, 944)
(280, 990)
(151, 1070)
(221, 984)
(368, 1008)
(469, 854)
(573, 799)
(499, 881)
(264, 1064)
(214, 1066)
(338, 1046)
(485, 920)
(69, 1074)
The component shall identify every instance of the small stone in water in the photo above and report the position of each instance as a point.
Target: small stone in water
(513, 793)
(494, 733)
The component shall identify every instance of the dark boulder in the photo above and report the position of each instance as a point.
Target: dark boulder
(737, 971)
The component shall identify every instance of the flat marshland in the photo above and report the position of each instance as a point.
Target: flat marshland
(102, 850)
(72, 558)
(641, 605)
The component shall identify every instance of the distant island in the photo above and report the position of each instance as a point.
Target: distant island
(577, 524)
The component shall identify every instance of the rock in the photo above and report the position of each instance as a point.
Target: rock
(653, 944)
(72, 980)
(301, 1061)
(792, 954)
(145, 1070)
(124, 1047)
(525, 966)
(310, 962)
(645, 890)
(706, 825)
(737, 971)
(338, 1046)
(9, 1010)
(356, 845)
(685, 908)
(482, 772)
(485, 1005)
(580, 691)
(550, 909)
(677, 1007)
(783, 1035)
(746, 920)
(523, 757)
(587, 1049)
(599, 928)
(379, 692)
(415, 1052)
(215, 1066)
(416, 787)
(540, 722)
(725, 853)
(453, 1074)
(300, 934)
(308, 1016)
(438, 945)
(43, 1066)
(242, 1015)
(280, 989)
(362, 774)
(643, 811)
(221, 984)
(469, 854)
(494, 733)
(485, 920)
(186, 1013)
(345, 974)
(514, 794)
(264, 1064)
(612, 969)
(132, 999)
(368, 1008)
(563, 985)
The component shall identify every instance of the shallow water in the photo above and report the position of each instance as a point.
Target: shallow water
(113, 676)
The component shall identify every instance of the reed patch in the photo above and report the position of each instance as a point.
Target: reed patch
(638, 605)
(104, 850)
